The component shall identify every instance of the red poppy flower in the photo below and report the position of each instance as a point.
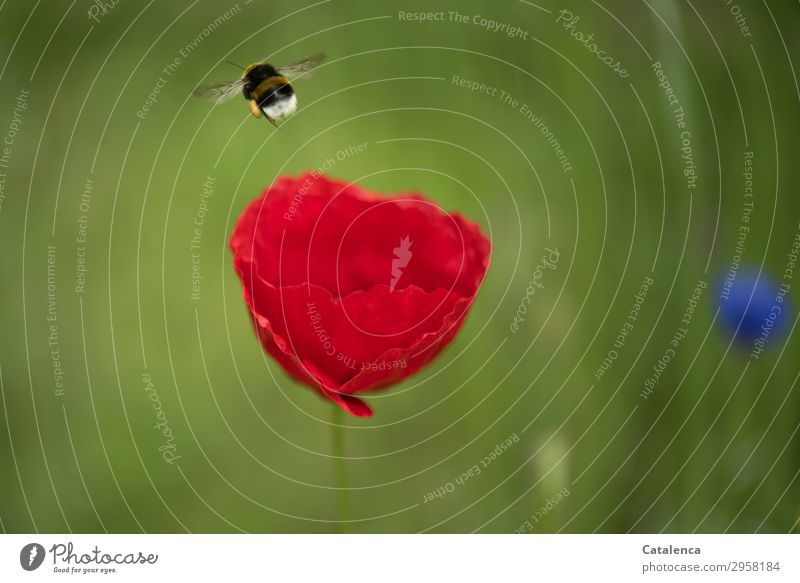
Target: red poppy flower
(350, 291)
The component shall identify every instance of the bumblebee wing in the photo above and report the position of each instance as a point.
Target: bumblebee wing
(220, 92)
(301, 68)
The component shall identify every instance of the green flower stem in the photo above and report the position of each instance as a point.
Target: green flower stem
(340, 469)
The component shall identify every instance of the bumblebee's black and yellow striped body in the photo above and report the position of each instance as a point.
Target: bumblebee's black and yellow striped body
(268, 92)
(267, 89)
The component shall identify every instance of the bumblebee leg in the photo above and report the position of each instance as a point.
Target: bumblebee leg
(272, 121)
(254, 109)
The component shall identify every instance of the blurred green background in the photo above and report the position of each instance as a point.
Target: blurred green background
(713, 448)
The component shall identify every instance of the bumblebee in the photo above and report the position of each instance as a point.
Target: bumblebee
(267, 89)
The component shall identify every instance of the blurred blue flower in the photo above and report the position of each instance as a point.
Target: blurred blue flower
(752, 305)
